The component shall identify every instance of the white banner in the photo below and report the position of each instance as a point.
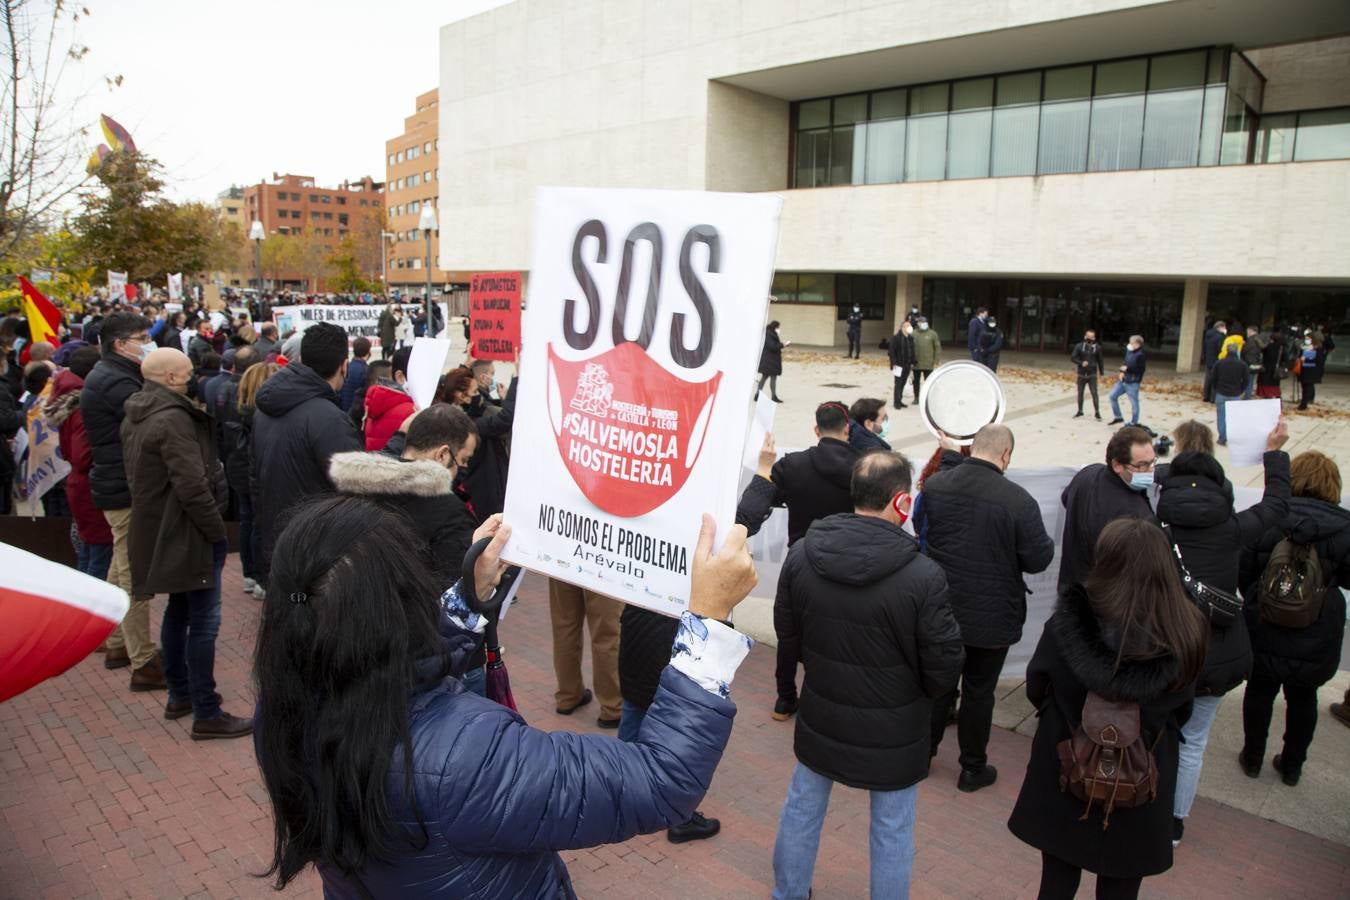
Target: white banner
(176, 286)
(117, 285)
(360, 320)
(637, 376)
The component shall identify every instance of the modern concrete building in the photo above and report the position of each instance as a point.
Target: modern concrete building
(1133, 165)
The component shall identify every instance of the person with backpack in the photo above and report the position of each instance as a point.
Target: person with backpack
(1195, 505)
(1112, 678)
(1295, 613)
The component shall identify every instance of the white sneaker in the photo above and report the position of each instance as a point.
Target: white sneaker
(250, 585)
(259, 593)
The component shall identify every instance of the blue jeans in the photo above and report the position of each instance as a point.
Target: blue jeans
(476, 680)
(1191, 752)
(188, 636)
(630, 722)
(247, 551)
(1220, 401)
(1130, 390)
(1251, 383)
(94, 559)
(891, 845)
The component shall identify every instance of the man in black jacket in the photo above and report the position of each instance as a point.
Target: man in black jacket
(1087, 363)
(1228, 382)
(1209, 355)
(297, 428)
(125, 341)
(902, 358)
(812, 484)
(985, 531)
(880, 644)
(1100, 493)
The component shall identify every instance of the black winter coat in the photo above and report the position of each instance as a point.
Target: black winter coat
(297, 427)
(230, 437)
(1273, 358)
(645, 639)
(811, 483)
(1094, 497)
(1307, 657)
(1072, 658)
(985, 531)
(902, 350)
(1083, 352)
(11, 420)
(771, 357)
(1213, 343)
(112, 380)
(485, 477)
(879, 644)
(1211, 538)
(1230, 376)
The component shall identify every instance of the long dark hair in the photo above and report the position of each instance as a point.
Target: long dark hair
(1135, 588)
(348, 615)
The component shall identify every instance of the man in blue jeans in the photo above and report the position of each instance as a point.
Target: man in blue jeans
(176, 537)
(879, 643)
(1230, 380)
(1131, 376)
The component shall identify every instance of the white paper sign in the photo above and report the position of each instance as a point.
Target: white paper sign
(175, 285)
(1249, 423)
(117, 285)
(761, 424)
(631, 410)
(425, 367)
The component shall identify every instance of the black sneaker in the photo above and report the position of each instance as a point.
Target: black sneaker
(176, 709)
(586, 696)
(696, 829)
(784, 709)
(1289, 775)
(1250, 767)
(1178, 827)
(1078, 415)
(1116, 421)
(971, 780)
(1099, 416)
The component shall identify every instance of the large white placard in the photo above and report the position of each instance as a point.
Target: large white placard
(639, 353)
(1249, 424)
(360, 319)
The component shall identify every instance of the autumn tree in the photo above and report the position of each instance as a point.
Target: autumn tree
(347, 271)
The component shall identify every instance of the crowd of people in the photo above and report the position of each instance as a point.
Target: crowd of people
(899, 599)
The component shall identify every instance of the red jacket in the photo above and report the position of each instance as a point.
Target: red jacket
(63, 410)
(386, 408)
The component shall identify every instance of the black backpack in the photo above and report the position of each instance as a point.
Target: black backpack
(1292, 586)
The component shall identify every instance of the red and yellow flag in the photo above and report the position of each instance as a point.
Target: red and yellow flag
(43, 319)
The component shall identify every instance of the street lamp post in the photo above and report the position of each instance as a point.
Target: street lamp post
(428, 224)
(256, 235)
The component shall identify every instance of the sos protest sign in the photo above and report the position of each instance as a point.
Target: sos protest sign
(494, 315)
(641, 340)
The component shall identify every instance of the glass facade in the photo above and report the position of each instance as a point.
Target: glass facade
(1041, 314)
(1191, 108)
(841, 290)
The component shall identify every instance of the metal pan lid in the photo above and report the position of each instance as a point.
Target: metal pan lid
(960, 398)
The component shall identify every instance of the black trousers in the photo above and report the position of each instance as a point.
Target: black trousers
(785, 669)
(900, 387)
(1309, 393)
(854, 344)
(1209, 383)
(975, 717)
(920, 375)
(1059, 881)
(1090, 384)
(773, 385)
(1258, 705)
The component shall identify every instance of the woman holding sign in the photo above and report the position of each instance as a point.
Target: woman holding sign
(393, 780)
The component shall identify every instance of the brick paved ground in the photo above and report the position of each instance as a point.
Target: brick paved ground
(101, 797)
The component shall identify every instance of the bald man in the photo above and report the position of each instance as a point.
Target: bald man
(985, 532)
(176, 540)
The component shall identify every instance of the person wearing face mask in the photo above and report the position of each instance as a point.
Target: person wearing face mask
(986, 532)
(1102, 492)
(418, 482)
(1314, 359)
(177, 536)
(871, 425)
(975, 333)
(902, 362)
(1131, 376)
(858, 581)
(1209, 355)
(927, 354)
(1087, 361)
(991, 344)
(125, 342)
(855, 319)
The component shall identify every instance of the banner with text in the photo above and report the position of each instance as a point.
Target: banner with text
(494, 315)
(636, 383)
(360, 320)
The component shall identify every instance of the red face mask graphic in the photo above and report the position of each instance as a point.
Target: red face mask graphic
(629, 431)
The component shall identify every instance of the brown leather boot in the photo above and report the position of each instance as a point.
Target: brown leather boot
(223, 726)
(149, 677)
(117, 659)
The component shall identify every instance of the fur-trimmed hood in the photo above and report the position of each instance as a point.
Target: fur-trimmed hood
(65, 397)
(383, 475)
(1093, 660)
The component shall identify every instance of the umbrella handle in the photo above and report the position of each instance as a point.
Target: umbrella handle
(491, 605)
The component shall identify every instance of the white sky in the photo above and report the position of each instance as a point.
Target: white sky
(226, 93)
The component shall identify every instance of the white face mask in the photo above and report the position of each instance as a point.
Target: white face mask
(993, 324)
(923, 326)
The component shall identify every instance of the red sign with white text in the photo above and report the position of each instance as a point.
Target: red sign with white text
(494, 315)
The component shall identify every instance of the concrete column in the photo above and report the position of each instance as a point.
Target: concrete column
(1194, 302)
(908, 292)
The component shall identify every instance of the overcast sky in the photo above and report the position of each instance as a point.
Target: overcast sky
(227, 93)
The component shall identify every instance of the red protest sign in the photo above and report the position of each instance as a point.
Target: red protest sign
(494, 315)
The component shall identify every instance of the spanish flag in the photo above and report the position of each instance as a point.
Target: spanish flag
(43, 319)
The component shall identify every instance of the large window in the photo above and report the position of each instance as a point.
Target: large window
(803, 287)
(1194, 107)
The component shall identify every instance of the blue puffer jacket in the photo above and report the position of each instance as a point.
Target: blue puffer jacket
(500, 798)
